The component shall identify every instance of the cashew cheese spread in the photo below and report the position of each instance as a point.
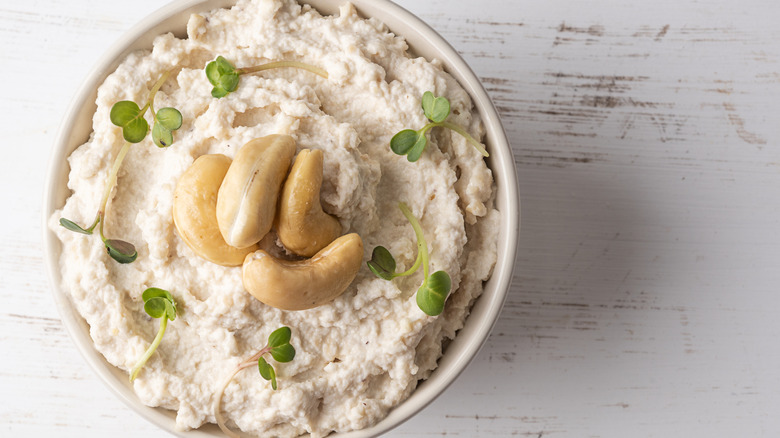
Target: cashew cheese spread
(357, 356)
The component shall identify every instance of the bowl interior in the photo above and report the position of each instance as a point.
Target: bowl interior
(423, 41)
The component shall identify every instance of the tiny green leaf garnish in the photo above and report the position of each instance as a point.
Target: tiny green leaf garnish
(279, 337)
(161, 136)
(128, 116)
(382, 263)
(415, 153)
(280, 349)
(121, 251)
(158, 303)
(169, 118)
(434, 289)
(166, 121)
(436, 109)
(267, 372)
(72, 226)
(433, 292)
(283, 353)
(404, 141)
(224, 76)
(279, 342)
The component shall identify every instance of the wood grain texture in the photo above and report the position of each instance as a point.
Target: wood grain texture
(644, 301)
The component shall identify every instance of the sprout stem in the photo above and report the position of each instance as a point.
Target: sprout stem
(112, 176)
(414, 267)
(101, 216)
(427, 127)
(465, 135)
(153, 92)
(218, 401)
(94, 223)
(279, 64)
(151, 349)
(246, 363)
(422, 247)
(110, 183)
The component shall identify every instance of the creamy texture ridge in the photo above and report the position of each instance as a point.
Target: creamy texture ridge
(363, 353)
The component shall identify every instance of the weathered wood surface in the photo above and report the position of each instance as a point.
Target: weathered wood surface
(647, 142)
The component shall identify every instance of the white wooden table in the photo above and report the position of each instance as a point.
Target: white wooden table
(646, 296)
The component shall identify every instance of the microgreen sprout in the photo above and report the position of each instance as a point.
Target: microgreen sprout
(130, 117)
(158, 303)
(280, 349)
(412, 143)
(119, 250)
(435, 287)
(224, 76)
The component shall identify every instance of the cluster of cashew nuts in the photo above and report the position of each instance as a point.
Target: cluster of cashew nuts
(222, 209)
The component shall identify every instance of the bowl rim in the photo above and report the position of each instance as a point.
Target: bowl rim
(423, 41)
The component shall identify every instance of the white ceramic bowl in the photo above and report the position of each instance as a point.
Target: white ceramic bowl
(423, 41)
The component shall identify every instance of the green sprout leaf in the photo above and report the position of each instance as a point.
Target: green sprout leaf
(436, 109)
(426, 102)
(169, 118)
(404, 141)
(121, 251)
(419, 146)
(218, 92)
(166, 121)
(279, 344)
(283, 353)
(382, 263)
(124, 112)
(162, 136)
(158, 303)
(280, 336)
(410, 143)
(224, 67)
(267, 371)
(212, 71)
(155, 292)
(156, 307)
(229, 81)
(127, 115)
(136, 130)
(72, 226)
(433, 293)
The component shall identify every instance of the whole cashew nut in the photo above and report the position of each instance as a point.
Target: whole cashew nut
(246, 204)
(194, 211)
(300, 285)
(303, 227)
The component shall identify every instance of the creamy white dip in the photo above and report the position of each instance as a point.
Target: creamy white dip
(358, 356)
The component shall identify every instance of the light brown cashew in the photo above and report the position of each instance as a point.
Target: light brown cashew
(303, 227)
(300, 285)
(194, 211)
(246, 204)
